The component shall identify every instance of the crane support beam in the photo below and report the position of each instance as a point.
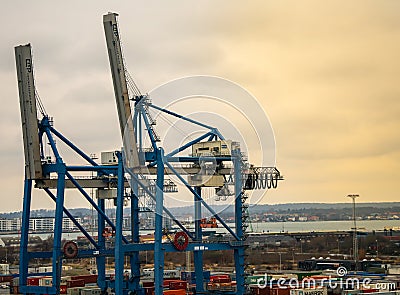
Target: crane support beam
(110, 182)
(27, 100)
(120, 86)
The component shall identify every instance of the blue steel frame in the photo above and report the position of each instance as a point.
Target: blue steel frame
(123, 247)
(63, 172)
(157, 157)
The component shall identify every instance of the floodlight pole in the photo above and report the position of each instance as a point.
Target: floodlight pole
(355, 240)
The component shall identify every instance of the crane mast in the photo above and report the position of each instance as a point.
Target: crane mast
(27, 100)
(120, 86)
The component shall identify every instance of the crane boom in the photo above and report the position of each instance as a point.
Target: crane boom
(27, 100)
(120, 87)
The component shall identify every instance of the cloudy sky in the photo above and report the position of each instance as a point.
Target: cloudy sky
(326, 72)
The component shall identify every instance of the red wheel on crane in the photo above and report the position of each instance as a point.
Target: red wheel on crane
(181, 240)
(70, 249)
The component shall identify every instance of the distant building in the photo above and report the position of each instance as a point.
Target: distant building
(46, 224)
(313, 218)
(10, 224)
(41, 224)
(15, 241)
(126, 221)
(4, 269)
(36, 224)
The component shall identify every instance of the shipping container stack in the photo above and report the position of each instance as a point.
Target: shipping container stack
(221, 282)
(224, 283)
(71, 285)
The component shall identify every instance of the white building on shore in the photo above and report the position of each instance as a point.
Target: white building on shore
(36, 224)
(13, 224)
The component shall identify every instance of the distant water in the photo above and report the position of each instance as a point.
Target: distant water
(277, 227)
(315, 226)
(308, 226)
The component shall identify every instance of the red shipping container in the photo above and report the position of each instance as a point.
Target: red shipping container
(178, 285)
(33, 281)
(174, 292)
(167, 282)
(148, 290)
(75, 283)
(6, 279)
(148, 284)
(220, 279)
(254, 290)
(371, 290)
(89, 279)
(63, 289)
(280, 291)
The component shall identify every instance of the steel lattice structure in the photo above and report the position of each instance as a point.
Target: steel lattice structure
(137, 171)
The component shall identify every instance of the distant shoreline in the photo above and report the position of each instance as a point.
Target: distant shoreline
(278, 227)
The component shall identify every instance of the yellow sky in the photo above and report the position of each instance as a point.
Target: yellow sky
(327, 74)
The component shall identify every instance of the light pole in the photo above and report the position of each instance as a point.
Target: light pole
(280, 261)
(92, 225)
(376, 248)
(355, 241)
(301, 246)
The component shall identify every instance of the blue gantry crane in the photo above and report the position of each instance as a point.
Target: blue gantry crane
(135, 171)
